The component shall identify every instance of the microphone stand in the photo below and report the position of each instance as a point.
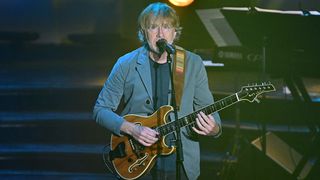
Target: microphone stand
(263, 77)
(179, 158)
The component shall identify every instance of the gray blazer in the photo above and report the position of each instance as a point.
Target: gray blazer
(130, 81)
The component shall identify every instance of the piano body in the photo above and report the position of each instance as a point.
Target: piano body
(275, 44)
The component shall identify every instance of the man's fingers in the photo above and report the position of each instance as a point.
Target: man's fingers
(206, 120)
(202, 125)
(197, 131)
(205, 124)
(144, 143)
(146, 136)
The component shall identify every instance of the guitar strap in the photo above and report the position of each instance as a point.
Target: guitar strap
(179, 67)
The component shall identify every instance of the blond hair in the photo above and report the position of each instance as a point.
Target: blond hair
(157, 11)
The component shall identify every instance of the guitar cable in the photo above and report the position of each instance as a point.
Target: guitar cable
(106, 160)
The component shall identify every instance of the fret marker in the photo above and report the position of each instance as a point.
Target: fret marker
(186, 120)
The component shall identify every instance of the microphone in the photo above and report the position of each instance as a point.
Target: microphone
(164, 46)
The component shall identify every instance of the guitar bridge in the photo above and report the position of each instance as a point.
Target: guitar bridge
(136, 147)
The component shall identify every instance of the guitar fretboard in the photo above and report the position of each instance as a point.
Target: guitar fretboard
(190, 119)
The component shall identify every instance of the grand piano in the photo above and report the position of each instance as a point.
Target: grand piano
(274, 43)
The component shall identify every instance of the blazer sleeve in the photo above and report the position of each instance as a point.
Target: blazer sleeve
(203, 96)
(109, 99)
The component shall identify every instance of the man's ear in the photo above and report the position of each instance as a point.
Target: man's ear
(145, 38)
(175, 35)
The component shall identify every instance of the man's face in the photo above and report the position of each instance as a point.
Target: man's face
(159, 29)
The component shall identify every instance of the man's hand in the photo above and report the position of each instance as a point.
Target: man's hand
(144, 135)
(206, 125)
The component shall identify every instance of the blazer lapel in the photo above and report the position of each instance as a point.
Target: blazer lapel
(143, 68)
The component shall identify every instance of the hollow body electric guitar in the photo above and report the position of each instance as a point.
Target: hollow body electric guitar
(131, 160)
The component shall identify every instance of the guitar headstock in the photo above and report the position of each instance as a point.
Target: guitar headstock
(250, 93)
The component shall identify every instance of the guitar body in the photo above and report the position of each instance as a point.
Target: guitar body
(139, 159)
(131, 160)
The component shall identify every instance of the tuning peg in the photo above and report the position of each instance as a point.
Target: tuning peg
(256, 100)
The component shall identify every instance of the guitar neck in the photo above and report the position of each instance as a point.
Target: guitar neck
(190, 119)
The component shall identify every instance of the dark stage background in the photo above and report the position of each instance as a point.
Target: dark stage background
(56, 54)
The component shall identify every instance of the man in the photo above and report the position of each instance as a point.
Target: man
(141, 80)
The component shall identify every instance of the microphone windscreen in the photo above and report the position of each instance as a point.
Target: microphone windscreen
(161, 44)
